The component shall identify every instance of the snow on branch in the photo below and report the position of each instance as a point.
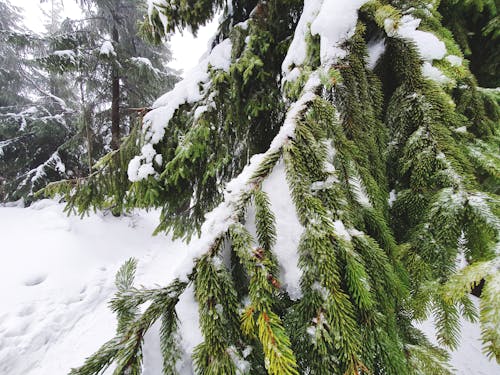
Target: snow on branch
(334, 21)
(54, 162)
(188, 91)
(226, 213)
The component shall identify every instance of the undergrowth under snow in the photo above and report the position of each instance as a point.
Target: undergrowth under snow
(57, 276)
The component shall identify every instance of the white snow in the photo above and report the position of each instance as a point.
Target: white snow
(468, 358)
(434, 73)
(54, 162)
(392, 197)
(376, 49)
(335, 24)
(189, 330)
(462, 129)
(141, 166)
(287, 130)
(288, 230)
(142, 61)
(454, 60)
(333, 20)
(341, 231)
(429, 46)
(57, 276)
(68, 54)
(107, 49)
(296, 54)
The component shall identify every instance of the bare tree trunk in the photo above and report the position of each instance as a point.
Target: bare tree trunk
(115, 100)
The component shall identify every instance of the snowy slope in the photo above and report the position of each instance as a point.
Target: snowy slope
(57, 276)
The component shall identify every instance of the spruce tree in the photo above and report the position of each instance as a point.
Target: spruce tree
(36, 118)
(55, 120)
(136, 70)
(365, 115)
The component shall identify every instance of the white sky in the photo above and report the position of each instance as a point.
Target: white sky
(186, 49)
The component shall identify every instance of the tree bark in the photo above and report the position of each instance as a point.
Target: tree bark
(115, 100)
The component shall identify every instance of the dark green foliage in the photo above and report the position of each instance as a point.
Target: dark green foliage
(214, 290)
(36, 120)
(476, 27)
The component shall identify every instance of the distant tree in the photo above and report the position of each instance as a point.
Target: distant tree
(35, 118)
(88, 84)
(136, 71)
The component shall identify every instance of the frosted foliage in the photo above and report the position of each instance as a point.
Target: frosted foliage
(189, 90)
(224, 215)
(107, 49)
(287, 130)
(288, 228)
(428, 45)
(479, 202)
(218, 221)
(359, 191)
(333, 20)
(67, 54)
(143, 61)
(53, 162)
(297, 52)
(157, 5)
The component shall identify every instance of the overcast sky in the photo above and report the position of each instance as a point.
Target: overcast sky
(186, 49)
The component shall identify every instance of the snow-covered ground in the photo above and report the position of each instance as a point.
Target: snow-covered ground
(57, 274)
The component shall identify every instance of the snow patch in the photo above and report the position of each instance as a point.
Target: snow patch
(428, 45)
(467, 359)
(454, 60)
(189, 329)
(434, 74)
(341, 231)
(296, 54)
(288, 230)
(335, 24)
(376, 49)
(107, 49)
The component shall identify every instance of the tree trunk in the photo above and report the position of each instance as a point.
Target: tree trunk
(115, 100)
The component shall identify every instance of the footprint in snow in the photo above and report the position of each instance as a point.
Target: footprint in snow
(35, 280)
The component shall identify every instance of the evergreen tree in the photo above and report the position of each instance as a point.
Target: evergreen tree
(71, 70)
(136, 71)
(35, 116)
(368, 113)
